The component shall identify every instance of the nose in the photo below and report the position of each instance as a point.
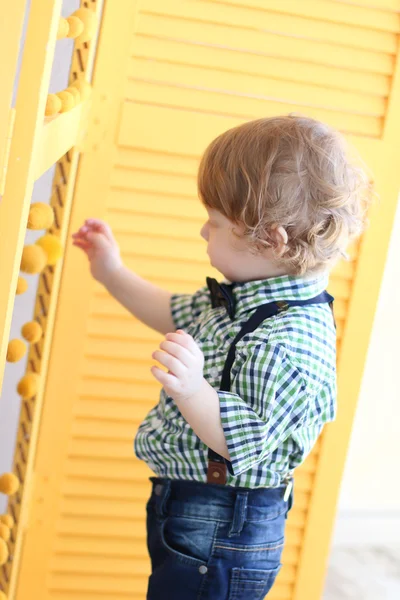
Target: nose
(204, 232)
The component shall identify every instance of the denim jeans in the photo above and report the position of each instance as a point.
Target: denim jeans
(213, 542)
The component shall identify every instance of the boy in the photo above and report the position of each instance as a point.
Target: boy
(249, 378)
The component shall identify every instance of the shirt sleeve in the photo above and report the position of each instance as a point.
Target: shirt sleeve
(270, 404)
(185, 308)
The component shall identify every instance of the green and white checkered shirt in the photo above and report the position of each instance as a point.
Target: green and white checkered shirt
(283, 385)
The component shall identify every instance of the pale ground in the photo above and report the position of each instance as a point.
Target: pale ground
(364, 573)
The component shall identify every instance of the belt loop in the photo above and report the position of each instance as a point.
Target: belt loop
(162, 492)
(239, 514)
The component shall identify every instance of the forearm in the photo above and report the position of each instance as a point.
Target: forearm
(147, 302)
(202, 412)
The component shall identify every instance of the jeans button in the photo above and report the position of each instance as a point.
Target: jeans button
(203, 570)
(158, 489)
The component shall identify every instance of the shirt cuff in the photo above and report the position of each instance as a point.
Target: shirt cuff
(240, 425)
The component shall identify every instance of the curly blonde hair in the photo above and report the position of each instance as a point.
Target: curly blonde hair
(293, 172)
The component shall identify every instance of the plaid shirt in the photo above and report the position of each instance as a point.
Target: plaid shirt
(283, 386)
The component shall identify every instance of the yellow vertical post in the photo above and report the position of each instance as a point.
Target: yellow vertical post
(30, 107)
(10, 36)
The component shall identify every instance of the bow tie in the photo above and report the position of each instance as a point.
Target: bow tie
(222, 295)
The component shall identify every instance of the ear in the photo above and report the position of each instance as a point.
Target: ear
(279, 239)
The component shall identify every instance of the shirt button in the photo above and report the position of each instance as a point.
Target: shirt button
(203, 570)
(158, 490)
(214, 372)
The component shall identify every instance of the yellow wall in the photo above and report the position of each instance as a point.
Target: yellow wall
(168, 77)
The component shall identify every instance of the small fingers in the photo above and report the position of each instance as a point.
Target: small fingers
(166, 379)
(185, 340)
(180, 352)
(170, 362)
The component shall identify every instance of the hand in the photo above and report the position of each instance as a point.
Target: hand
(96, 239)
(184, 361)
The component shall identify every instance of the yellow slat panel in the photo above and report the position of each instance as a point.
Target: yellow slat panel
(133, 158)
(164, 184)
(116, 328)
(268, 44)
(143, 202)
(240, 84)
(280, 23)
(108, 468)
(102, 586)
(121, 428)
(109, 526)
(120, 348)
(83, 507)
(331, 11)
(106, 490)
(130, 222)
(100, 546)
(245, 108)
(225, 59)
(389, 5)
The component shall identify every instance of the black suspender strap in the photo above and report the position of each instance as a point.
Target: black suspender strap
(216, 472)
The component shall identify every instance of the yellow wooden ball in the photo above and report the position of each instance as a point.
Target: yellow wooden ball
(83, 86)
(3, 596)
(67, 101)
(32, 332)
(41, 216)
(3, 552)
(16, 350)
(89, 20)
(76, 26)
(28, 386)
(53, 105)
(52, 246)
(9, 484)
(22, 286)
(5, 532)
(7, 520)
(63, 29)
(75, 92)
(34, 259)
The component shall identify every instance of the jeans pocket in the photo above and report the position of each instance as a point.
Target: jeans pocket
(254, 584)
(188, 540)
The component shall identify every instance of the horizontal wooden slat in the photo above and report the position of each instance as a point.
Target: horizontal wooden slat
(389, 5)
(147, 202)
(102, 448)
(159, 226)
(94, 527)
(102, 586)
(209, 12)
(83, 507)
(59, 134)
(110, 587)
(182, 132)
(222, 59)
(121, 348)
(99, 490)
(266, 43)
(129, 548)
(108, 470)
(245, 108)
(332, 11)
(166, 184)
(244, 85)
(132, 158)
(105, 387)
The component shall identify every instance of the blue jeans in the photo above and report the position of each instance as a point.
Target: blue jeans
(213, 542)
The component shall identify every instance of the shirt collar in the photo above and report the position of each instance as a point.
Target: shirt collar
(251, 294)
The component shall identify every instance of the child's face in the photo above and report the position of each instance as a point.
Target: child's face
(230, 254)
